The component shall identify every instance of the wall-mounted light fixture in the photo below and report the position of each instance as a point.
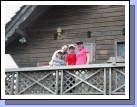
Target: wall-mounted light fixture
(59, 33)
(22, 40)
(89, 34)
(123, 31)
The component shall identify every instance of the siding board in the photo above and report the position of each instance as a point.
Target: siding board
(107, 42)
(88, 25)
(86, 16)
(104, 52)
(104, 21)
(103, 57)
(81, 20)
(98, 47)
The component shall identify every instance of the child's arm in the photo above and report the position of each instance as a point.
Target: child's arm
(59, 64)
(67, 59)
(88, 57)
(56, 64)
(57, 60)
(67, 63)
(63, 63)
(53, 57)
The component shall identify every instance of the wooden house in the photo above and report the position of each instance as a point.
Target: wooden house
(100, 26)
(31, 37)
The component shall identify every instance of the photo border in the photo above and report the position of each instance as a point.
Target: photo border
(132, 80)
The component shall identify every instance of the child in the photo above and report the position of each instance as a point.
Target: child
(71, 58)
(58, 61)
(64, 50)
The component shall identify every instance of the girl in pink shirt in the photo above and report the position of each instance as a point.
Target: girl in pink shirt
(83, 56)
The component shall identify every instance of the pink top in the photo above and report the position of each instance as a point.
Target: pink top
(81, 57)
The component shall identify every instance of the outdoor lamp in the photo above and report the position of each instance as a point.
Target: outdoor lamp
(22, 40)
(89, 34)
(59, 33)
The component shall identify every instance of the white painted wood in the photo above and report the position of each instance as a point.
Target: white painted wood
(64, 67)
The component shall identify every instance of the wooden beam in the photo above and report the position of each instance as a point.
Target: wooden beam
(65, 67)
(20, 32)
(18, 20)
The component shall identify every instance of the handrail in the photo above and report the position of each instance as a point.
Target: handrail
(105, 78)
(104, 65)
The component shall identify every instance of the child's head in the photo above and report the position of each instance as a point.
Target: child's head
(59, 54)
(72, 48)
(64, 48)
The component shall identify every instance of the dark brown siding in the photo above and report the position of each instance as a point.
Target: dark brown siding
(105, 23)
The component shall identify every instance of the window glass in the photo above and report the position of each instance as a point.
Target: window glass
(121, 49)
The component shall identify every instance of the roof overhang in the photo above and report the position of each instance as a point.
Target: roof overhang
(23, 18)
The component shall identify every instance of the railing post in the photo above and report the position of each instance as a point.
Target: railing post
(17, 84)
(57, 80)
(104, 81)
(110, 81)
(60, 85)
(12, 84)
(114, 60)
(62, 80)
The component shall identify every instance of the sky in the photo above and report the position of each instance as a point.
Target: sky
(10, 11)
(9, 62)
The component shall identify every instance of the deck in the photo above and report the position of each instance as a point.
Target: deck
(92, 79)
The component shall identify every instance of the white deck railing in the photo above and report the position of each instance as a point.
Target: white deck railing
(81, 79)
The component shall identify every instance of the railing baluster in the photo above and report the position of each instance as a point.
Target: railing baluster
(116, 79)
(104, 81)
(17, 83)
(62, 80)
(57, 79)
(83, 85)
(12, 84)
(110, 81)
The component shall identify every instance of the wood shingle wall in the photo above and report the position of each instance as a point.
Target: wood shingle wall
(105, 23)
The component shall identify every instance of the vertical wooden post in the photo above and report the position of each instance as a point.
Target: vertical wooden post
(57, 80)
(114, 60)
(62, 81)
(110, 81)
(17, 84)
(12, 84)
(104, 81)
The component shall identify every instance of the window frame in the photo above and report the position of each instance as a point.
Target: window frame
(116, 46)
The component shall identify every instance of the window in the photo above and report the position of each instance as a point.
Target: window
(91, 48)
(120, 51)
(119, 48)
